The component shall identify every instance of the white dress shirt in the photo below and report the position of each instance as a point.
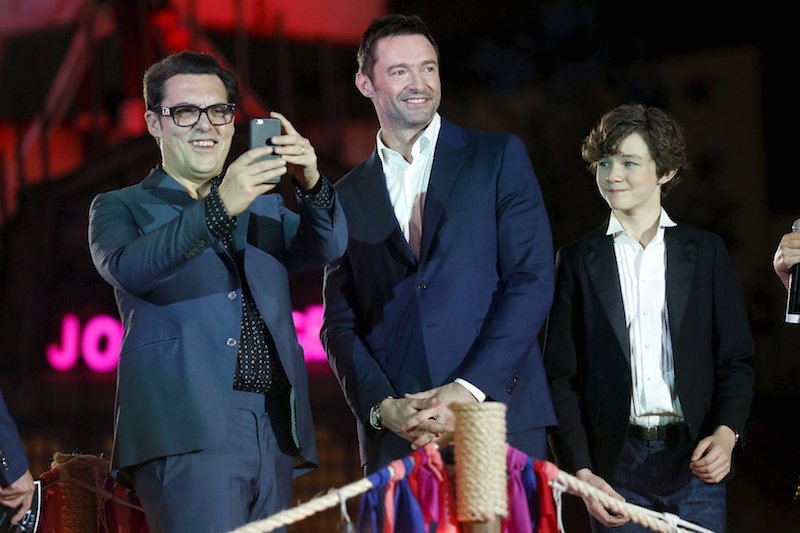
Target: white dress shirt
(407, 182)
(642, 276)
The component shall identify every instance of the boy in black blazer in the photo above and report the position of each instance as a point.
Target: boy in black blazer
(648, 349)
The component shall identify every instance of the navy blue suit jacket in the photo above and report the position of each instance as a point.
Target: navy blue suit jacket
(587, 351)
(471, 307)
(179, 296)
(13, 462)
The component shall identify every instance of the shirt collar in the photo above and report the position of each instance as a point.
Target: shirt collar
(426, 141)
(615, 226)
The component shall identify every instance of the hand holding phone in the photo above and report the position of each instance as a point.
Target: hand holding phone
(261, 131)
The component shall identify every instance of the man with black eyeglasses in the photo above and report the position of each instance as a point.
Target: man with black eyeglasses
(212, 413)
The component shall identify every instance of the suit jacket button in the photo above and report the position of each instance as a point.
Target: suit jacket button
(422, 284)
(231, 342)
(232, 295)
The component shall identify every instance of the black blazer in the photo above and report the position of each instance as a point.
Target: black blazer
(587, 349)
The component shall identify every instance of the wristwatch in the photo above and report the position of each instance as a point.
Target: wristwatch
(375, 415)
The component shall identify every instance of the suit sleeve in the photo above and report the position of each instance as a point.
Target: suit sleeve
(317, 236)
(362, 380)
(137, 262)
(563, 360)
(525, 268)
(13, 462)
(735, 376)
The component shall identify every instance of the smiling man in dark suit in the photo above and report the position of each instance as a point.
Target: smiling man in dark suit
(648, 347)
(212, 410)
(447, 277)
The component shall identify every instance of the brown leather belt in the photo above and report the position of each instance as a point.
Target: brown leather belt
(668, 432)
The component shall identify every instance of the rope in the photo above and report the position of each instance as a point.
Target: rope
(481, 487)
(664, 522)
(311, 507)
(481, 482)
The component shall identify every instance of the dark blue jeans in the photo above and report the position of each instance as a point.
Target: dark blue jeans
(646, 467)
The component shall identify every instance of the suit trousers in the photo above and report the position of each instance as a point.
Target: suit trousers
(645, 476)
(247, 477)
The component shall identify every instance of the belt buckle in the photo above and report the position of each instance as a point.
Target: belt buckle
(649, 433)
(655, 433)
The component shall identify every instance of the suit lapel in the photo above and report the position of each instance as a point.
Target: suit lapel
(377, 213)
(601, 263)
(175, 197)
(681, 257)
(448, 159)
(167, 189)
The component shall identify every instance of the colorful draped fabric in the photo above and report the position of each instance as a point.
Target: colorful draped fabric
(545, 473)
(370, 516)
(531, 496)
(519, 515)
(390, 506)
(431, 485)
(418, 496)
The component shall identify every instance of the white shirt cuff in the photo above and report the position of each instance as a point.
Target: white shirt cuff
(475, 391)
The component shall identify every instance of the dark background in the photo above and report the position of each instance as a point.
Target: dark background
(545, 71)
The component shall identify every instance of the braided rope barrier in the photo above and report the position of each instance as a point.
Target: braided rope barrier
(481, 492)
(289, 516)
(664, 522)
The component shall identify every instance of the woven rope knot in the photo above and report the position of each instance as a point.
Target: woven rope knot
(81, 506)
(480, 448)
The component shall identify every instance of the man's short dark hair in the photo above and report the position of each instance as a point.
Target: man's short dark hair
(389, 26)
(187, 62)
(663, 136)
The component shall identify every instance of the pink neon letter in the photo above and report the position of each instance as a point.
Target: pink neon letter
(63, 357)
(97, 358)
(308, 325)
(104, 357)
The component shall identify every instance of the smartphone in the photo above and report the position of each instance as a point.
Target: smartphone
(261, 131)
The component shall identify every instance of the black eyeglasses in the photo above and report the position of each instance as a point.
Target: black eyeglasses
(187, 116)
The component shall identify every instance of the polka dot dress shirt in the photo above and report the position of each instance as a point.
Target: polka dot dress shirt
(258, 368)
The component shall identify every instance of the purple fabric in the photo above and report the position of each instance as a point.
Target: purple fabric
(519, 517)
(428, 490)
